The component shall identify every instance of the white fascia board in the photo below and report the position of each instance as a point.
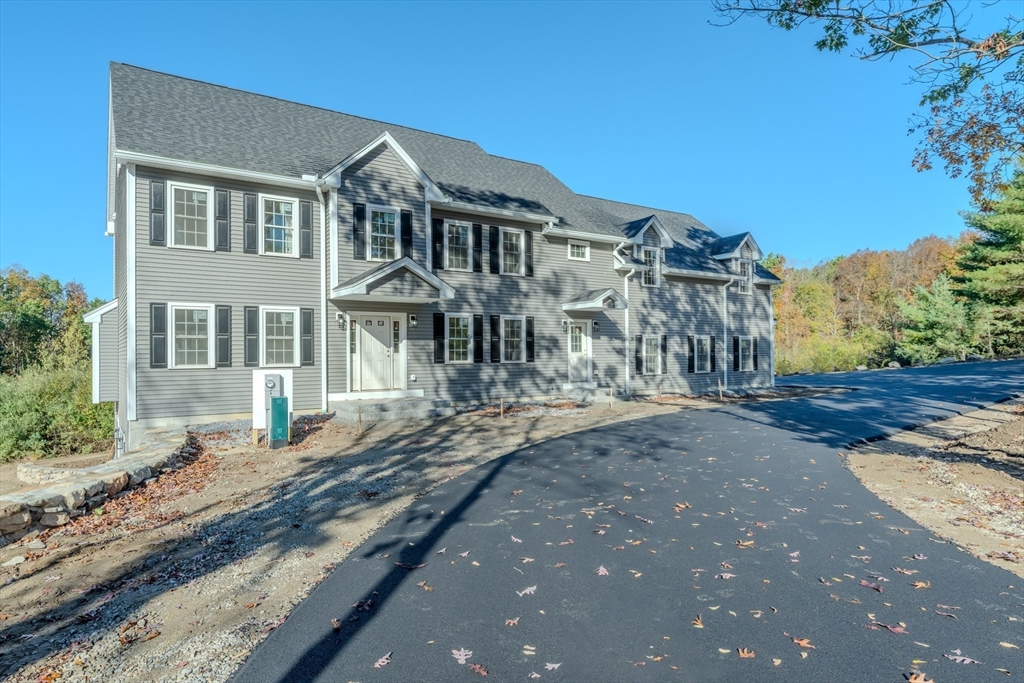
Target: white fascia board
(94, 316)
(199, 168)
(578, 234)
(666, 241)
(702, 274)
(476, 209)
(434, 193)
(445, 290)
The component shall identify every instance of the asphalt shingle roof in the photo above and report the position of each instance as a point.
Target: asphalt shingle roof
(179, 118)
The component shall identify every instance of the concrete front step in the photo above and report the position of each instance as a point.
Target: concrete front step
(392, 409)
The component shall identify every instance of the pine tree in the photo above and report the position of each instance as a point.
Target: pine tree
(937, 323)
(994, 266)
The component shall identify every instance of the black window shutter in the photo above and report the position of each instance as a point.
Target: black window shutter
(639, 355)
(250, 235)
(529, 339)
(222, 218)
(439, 337)
(478, 339)
(306, 230)
(736, 353)
(252, 336)
(157, 225)
(158, 335)
(223, 324)
(305, 336)
(407, 233)
(664, 354)
(528, 248)
(478, 244)
(437, 243)
(494, 236)
(495, 338)
(359, 232)
(690, 364)
(712, 343)
(754, 344)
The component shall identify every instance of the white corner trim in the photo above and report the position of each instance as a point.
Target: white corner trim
(445, 290)
(95, 361)
(433, 192)
(167, 163)
(132, 239)
(93, 317)
(332, 210)
(323, 304)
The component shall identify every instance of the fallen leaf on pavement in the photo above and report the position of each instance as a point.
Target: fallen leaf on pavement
(1005, 644)
(918, 677)
(424, 586)
(526, 560)
(745, 544)
(922, 584)
(512, 622)
(465, 554)
(872, 586)
(462, 655)
(527, 591)
(745, 653)
(407, 565)
(697, 623)
(725, 575)
(601, 571)
(335, 624)
(960, 659)
(804, 642)
(516, 540)
(478, 668)
(552, 667)
(383, 661)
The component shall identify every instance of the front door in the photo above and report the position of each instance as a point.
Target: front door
(375, 352)
(579, 352)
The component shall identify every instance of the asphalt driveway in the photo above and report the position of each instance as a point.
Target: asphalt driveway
(658, 549)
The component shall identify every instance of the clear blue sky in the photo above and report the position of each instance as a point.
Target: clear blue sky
(746, 127)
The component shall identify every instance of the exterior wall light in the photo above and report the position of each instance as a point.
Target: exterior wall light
(412, 321)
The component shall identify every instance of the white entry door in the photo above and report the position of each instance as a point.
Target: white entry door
(375, 352)
(579, 352)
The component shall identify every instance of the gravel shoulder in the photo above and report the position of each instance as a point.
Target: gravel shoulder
(962, 478)
(179, 580)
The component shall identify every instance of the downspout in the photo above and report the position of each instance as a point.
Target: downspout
(725, 334)
(625, 320)
(323, 296)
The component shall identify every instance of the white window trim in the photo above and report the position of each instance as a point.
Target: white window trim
(211, 335)
(657, 266)
(211, 226)
(263, 336)
(522, 341)
(696, 351)
(370, 208)
(261, 223)
(578, 243)
(469, 349)
(522, 251)
(749, 280)
(657, 356)
(751, 340)
(469, 256)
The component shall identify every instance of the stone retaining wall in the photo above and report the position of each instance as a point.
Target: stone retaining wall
(68, 493)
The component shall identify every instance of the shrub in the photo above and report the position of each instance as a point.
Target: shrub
(48, 412)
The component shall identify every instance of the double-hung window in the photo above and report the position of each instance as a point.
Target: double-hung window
(651, 275)
(280, 337)
(746, 354)
(192, 216)
(384, 235)
(513, 339)
(456, 246)
(652, 355)
(511, 251)
(579, 251)
(457, 344)
(190, 327)
(280, 216)
(745, 276)
(703, 352)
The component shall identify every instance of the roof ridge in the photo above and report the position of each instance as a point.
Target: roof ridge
(299, 104)
(640, 206)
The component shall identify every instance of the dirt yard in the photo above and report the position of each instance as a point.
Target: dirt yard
(962, 478)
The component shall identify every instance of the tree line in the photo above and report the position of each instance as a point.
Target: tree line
(938, 298)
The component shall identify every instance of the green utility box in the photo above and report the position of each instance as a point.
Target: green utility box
(278, 425)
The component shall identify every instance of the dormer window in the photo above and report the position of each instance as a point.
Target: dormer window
(651, 275)
(746, 276)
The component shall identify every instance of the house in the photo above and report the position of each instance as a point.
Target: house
(364, 260)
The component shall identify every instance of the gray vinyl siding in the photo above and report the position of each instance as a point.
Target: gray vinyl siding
(121, 293)
(401, 283)
(750, 316)
(378, 178)
(106, 364)
(167, 274)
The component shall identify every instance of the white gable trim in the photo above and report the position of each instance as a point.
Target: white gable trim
(358, 287)
(93, 317)
(596, 303)
(433, 192)
(666, 241)
(735, 253)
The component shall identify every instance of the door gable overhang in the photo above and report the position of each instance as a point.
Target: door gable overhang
(595, 300)
(402, 280)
